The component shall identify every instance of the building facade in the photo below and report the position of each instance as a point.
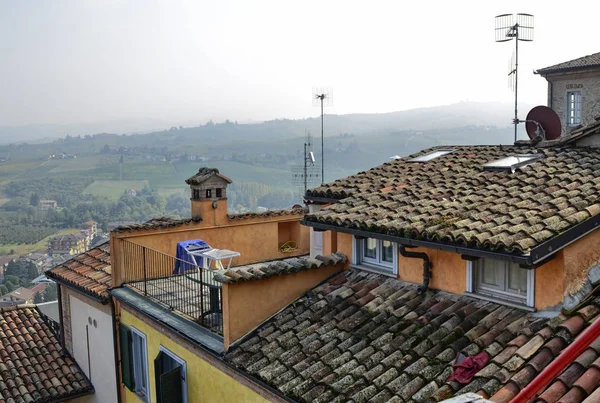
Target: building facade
(574, 90)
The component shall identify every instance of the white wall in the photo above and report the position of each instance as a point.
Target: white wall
(93, 348)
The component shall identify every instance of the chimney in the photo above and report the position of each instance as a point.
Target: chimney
(209, 196)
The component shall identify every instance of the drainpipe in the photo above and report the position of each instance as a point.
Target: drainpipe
(566, 357)
(115, 349)
(61, 340)
(427, 266)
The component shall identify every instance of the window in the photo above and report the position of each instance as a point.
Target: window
(196, 194)
(134, 361)
(430, 156)
(208, 193)
(501, 280)
(219, 192)
(376, 254)
(170, 377)
(574, 108)
(513, 162)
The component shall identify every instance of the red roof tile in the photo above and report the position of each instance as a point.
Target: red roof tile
(89, 272)
(32, 366)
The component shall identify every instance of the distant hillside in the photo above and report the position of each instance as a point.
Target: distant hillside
(462, 114)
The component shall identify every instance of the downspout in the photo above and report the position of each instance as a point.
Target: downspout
(60, 317)
(427, 266)
(566, 357)
(115, 349)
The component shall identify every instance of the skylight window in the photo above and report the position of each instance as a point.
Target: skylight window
(430, 156)
(513, 162)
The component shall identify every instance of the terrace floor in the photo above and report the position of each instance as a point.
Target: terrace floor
(196, 296)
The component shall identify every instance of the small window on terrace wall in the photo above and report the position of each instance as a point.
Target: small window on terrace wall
(501, 281)
(376, 254)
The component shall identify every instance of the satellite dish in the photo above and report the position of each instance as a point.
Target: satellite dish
(547, 119)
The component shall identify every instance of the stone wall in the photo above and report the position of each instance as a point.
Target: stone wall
(586, 82)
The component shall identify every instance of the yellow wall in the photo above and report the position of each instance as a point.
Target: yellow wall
(205, 382)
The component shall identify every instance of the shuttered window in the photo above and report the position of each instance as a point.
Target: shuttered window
(126, 357)
(140, 363)
(170, 378)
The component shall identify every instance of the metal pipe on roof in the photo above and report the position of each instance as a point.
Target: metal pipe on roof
(427, 266)
(566, 357)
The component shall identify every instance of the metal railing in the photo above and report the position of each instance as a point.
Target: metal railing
(177, 284)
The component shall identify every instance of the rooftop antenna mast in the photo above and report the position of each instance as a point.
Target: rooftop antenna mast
(322, 97)
(507, 28)
(307, 173)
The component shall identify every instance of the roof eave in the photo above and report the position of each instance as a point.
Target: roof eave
(81, 290)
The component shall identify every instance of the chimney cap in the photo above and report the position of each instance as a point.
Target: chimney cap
(204, 174)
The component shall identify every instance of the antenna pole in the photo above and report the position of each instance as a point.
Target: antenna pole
(322, 149)
(305, 169)
(516, 76)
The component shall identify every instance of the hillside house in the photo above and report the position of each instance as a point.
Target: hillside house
(86, 318)
(48, 204)
(33, 366)
(574, 91)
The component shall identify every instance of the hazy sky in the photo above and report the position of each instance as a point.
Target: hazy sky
(89, 61)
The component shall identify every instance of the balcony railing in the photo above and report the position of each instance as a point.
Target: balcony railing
(174, 283)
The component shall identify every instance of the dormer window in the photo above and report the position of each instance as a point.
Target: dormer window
(208, 193)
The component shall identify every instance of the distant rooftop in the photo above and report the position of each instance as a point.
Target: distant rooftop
(585, 62)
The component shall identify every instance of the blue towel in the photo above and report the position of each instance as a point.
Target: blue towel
(185, 261)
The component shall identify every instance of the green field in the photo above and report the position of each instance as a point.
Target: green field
(113, 190)
(25, 249)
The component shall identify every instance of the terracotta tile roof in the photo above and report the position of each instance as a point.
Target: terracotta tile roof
(452, 199)
(279, 267)
(32, 367)
(204, 174)
(89, 272)
(269, 213)
(160, 222)
(580, 63)
(367, 337)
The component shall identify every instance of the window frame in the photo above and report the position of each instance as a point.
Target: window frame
(181, 361)
(577, 102)
(500, 295)
(375, 264)
(144, 393)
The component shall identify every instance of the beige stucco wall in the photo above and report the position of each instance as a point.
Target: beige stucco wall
(560, 84)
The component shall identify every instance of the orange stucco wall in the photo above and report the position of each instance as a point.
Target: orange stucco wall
(256, 240)
(578, 258)
(247, 304)
(550, 283)
(450, 270)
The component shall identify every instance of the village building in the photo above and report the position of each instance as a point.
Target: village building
(86, 318)
(574, 90)
(91, 226)
(70, 244)
(33, 366)
(22, 295)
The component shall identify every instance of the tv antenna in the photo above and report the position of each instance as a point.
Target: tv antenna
(322, 97)
(307, 173)
(507, 28)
